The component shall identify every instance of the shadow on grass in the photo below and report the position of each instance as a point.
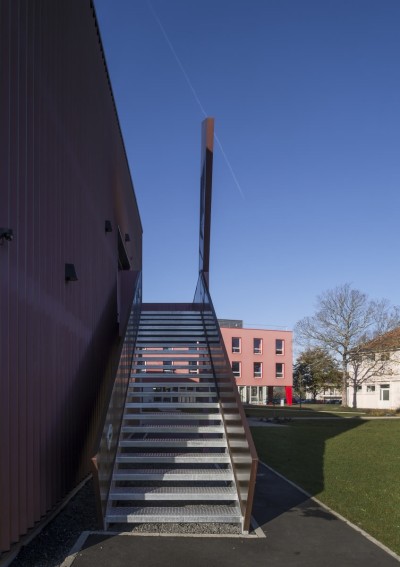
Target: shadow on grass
(297, 451)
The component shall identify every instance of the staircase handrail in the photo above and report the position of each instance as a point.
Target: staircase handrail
(245, 459)
(107, 442)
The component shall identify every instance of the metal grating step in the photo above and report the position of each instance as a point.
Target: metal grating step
(193, 475)
(172, 416)
(168, 428)
(182, 514)
(171, 458)
(172, 394)
(167, 384)
(173, 443)
(174, 493)
(170, 405)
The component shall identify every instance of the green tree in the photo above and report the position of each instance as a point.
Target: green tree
(315, 369)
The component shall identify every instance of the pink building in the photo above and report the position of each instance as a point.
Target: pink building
(261, 361)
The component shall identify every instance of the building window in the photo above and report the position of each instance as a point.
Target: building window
(236, 344)
(193, 368)
(279, 370)
(359, 388)
(384, 393)
(279, 346)
(370, 388)
(236, 368)
(257, 369)
(257, 346)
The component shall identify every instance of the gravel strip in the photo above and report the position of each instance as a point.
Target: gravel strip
(170, 528)
(50, 547)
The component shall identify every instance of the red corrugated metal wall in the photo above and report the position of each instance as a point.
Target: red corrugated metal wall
(63, 173)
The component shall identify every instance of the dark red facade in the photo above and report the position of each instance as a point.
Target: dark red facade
(63, 174)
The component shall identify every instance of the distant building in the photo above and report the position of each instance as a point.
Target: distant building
(381, 388)
(261, 361)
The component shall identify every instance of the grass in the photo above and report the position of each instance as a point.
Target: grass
(313, 410)
(350, 465)
(306, 410)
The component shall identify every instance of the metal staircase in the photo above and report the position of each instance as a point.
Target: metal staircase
(173, 462)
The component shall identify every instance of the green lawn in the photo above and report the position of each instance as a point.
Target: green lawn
(352, 466)
(314, 410)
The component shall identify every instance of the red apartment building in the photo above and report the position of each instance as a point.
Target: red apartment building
(261, 361)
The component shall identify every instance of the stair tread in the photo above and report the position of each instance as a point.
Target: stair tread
(214, 472)
(174, 443)
(203, 490)
(178, 512)
(178, 415)
(174, 427)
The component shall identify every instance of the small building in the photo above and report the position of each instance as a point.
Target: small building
(261, 362)
(379, 383)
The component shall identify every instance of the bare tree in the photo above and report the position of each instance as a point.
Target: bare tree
(345, 319)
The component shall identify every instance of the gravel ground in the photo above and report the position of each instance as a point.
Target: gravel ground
(50, 547)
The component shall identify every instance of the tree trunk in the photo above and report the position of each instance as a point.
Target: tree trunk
(344, 380)
(354, 394)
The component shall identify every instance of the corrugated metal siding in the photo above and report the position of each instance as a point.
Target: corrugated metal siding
(63, 172)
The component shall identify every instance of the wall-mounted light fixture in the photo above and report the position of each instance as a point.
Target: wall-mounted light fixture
(108, 226)
(127, 237)
(70, 273)
(6, 234)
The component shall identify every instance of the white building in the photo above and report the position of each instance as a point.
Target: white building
(381, 387)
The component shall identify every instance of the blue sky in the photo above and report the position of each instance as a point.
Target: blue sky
(306, 100)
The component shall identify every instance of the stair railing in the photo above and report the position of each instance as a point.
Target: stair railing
(107, 443)
(241, 446)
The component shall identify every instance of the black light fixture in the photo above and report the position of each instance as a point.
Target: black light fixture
(70, 273)
(6, 234)
(108, 226)
(127, 237)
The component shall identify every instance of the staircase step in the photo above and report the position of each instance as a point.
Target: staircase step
(167, 384)
(174, 493)
(167, 376)
(173, 457)
(168, 428)
(172, 416)
(172, 394)
(171, 405)
(173, 443)
(194, 475)
(181, 514)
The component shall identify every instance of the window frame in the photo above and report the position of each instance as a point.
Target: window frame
(260, 348)
(257, 373)
(237, 373)
(238, 349)
(280, 351)
(384, 388)
(281, 374)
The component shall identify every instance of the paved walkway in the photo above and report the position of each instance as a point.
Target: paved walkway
(297, 532)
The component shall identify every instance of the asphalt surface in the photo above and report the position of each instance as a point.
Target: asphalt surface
(298, 532)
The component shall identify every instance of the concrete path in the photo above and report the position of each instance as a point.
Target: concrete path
(296, 532)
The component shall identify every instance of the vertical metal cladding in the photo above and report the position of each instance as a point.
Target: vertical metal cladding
(63, 173)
